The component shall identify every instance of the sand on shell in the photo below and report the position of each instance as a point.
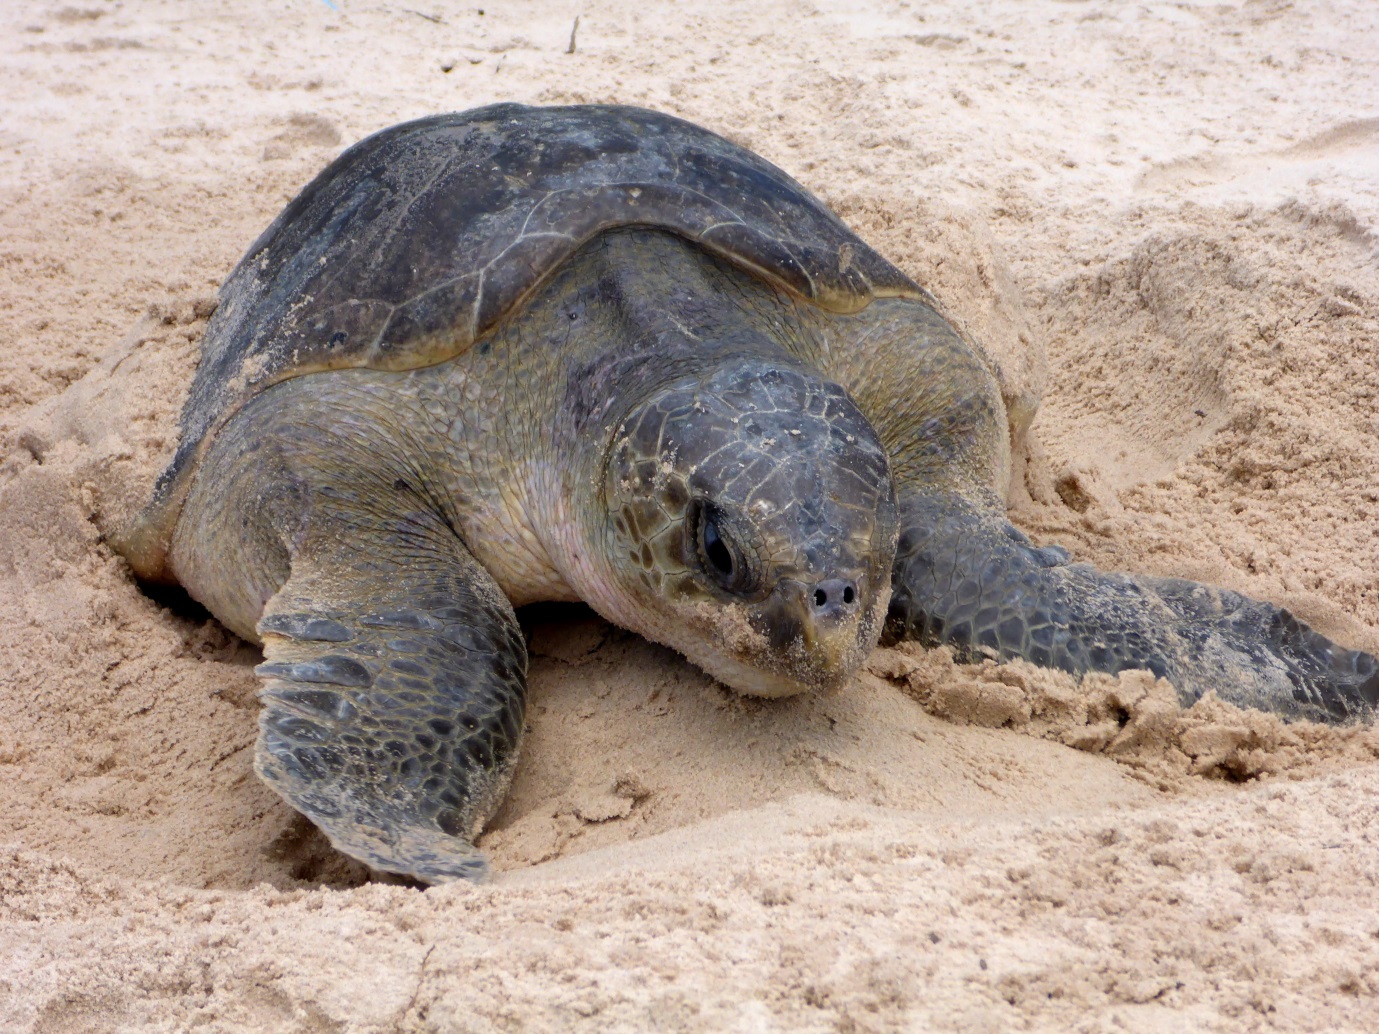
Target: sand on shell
(1176, 202)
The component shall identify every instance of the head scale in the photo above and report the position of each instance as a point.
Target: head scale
(751, 515)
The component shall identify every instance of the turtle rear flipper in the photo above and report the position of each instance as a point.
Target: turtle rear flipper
(394, 690)
(966, 578)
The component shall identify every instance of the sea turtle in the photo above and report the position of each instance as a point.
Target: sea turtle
(598, 353)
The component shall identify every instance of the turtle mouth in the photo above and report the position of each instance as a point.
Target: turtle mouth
(752, 680)
(806, 636)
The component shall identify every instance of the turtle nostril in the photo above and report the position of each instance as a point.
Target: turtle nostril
(834, 596)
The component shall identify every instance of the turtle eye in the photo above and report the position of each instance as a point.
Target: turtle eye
(720, 557)
(716, 552)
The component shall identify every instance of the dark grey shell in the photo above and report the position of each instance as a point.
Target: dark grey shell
(419, 239)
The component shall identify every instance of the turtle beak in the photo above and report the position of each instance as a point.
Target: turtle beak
(821, 628)
(807, 636)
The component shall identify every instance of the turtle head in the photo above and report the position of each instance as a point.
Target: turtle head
(751, 521)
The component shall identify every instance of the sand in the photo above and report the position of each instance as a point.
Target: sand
(1162, 216)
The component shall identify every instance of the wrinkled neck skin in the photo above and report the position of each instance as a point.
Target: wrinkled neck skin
(683, 400)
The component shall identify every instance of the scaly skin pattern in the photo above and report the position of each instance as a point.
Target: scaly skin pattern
(371, 527)
(394, 680)
(965, 577)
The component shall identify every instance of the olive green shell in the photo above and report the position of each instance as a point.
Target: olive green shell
(416, 241)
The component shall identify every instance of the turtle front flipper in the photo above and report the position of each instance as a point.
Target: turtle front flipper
(394, 690)
(967, 578)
